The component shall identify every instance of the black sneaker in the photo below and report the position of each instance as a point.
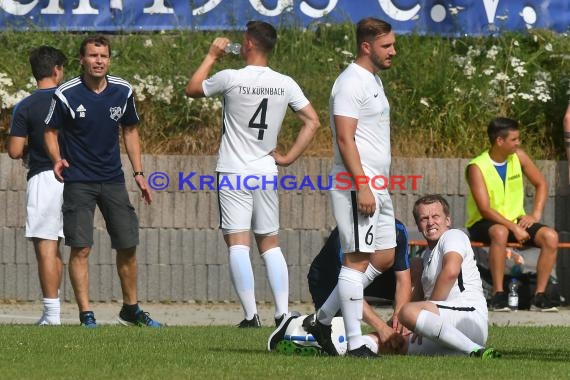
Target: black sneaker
(248, 323)
(540, 302)
(279, 333)
(87, 319)
(499, 302)
(140, 318)
(485, 353)
(279, 320)
(322, 334)
(363, 352)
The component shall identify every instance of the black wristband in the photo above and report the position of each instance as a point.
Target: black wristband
(138, 173)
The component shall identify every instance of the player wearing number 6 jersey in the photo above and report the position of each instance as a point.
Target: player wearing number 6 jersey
(255, 100)
(360, 122)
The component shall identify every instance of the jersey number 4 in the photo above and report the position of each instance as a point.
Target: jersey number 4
(257, 121)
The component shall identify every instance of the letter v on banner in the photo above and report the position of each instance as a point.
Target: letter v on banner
(491, 9)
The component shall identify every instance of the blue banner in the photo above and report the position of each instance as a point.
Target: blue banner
(451, 17)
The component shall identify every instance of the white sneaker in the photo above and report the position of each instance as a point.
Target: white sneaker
(45, 321)
(370, 343)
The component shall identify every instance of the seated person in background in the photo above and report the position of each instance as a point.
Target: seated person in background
(495, 212)
(394, 283)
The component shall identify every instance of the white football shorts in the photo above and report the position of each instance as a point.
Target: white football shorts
(359, 233)
(248, 201)
(44, 219)
(468, 316)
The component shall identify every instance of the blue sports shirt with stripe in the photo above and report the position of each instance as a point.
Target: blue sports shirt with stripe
(89, 123)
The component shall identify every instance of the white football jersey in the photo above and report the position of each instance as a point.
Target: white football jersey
(468, 285)
(359, 94)
(255, 100)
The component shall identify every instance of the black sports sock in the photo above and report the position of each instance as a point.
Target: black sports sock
(131, 310)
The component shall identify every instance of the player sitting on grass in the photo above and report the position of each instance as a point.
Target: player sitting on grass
(450, 314)
(449, 310)
(393, 283)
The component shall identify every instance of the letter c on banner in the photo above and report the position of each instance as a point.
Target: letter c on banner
(396, 13)
(17, 9)
(316, 13)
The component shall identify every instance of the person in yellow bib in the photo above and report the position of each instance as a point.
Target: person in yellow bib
(495, 212)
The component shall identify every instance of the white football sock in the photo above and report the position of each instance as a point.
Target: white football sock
(370, 274)
(432, 326)
(328, 310)
(351, 294)
(331, 306)
(241, 274)
(278, 276)
(429, 347)
(52, 312)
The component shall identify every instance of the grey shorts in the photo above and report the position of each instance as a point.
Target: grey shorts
(79, 201)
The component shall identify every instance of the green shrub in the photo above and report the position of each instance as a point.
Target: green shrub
(443, 91)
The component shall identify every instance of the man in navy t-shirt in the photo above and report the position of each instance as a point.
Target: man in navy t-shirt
(88, 112)
(44, 194)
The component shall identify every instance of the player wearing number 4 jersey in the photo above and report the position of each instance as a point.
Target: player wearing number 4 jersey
(255, 100)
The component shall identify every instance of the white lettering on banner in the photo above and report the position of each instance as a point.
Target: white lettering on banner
(281, 6)
(529, 15)
(17, 9)
(53, 8)
(85, 8)
(438, 13)
(211, 4)
(158, 6)
(491, 9)
(116, 4)
(396, 13)
(316, 13)
(393, 11)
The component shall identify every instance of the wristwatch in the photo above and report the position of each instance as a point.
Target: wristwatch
(138, 173)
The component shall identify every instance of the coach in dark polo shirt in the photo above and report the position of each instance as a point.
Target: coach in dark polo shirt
(89, 111)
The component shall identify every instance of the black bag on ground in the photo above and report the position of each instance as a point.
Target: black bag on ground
(526, 288)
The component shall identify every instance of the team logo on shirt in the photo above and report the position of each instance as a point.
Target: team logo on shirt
(81, 110)
(116, 113)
